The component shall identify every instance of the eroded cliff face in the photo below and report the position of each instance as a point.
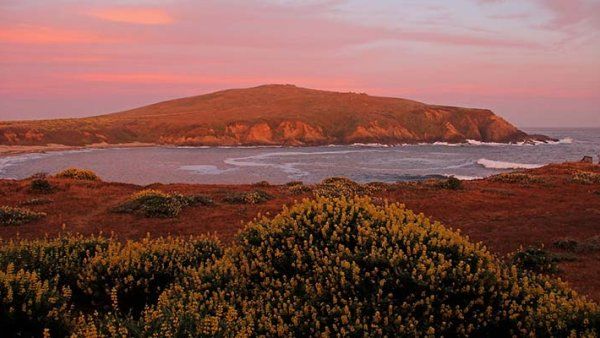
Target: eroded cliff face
(273, 115)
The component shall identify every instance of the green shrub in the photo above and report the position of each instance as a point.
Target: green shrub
(195, 200)
(250, 197)
(299, 189)
(585, 177)
(152, 203)
(78, 174)
(535, 259)
(294, 183)
(337, 267)
(518, 178)
(340, 186)
(30, 305)
(157, 204)
(18, 216)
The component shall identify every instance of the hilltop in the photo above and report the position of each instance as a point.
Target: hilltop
(271, 115)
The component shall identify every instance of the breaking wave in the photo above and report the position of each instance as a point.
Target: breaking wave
(491, 164)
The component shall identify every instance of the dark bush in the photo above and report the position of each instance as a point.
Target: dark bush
(452, 183)
(78, 174)
(535, 259)
(41, 185)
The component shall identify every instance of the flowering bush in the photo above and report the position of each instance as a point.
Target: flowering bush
(18, 216)
(155, 203)
(347, 267)
(78, 174)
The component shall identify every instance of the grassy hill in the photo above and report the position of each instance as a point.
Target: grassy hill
(272, 115)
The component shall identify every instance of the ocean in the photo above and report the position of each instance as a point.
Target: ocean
(359, 162)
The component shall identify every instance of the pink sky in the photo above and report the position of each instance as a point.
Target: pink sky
(534, 62)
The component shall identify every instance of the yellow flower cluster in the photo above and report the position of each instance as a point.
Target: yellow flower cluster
(113, 277)
(29, 304)
(78, 174)
(586, 177)
(345, 267)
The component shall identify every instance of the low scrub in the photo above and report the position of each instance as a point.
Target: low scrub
(249, 197)
(516, 178)
(78, 174)
(18, 216)
(157, 204)
(585, 177)
(590, 244)
(451, 183)
(341, 187)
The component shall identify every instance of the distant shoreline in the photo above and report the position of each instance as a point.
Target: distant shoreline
(6, 151)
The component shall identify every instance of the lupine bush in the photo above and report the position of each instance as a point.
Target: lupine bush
(78, 174)
(108, 281)
(338, 267)
(29, 305)
(535, 259)
(18, 216)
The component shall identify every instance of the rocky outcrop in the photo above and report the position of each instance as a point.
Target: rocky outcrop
(273, 115)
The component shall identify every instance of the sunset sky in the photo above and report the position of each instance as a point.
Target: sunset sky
(534, 62)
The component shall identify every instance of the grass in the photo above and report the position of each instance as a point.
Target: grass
(16, 216)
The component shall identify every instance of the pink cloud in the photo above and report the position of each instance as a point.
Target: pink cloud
(134, 15)
(49, 35)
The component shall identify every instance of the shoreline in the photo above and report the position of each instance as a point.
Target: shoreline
(7, 151)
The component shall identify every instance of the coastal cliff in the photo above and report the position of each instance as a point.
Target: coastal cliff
(272, 115)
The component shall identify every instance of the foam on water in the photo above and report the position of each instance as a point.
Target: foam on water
(491, 164)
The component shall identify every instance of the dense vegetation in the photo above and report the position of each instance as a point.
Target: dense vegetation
(322, 267)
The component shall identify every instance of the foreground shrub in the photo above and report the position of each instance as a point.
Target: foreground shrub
(518, 178)
(135, 273)
(78, 174)
(113, 278)
(250, 197)
(338, 267)
(18, 216)
(155, 203)
(586, 177)
(30, 305)
(340, 186)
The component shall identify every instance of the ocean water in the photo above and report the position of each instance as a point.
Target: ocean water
(363, 163)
